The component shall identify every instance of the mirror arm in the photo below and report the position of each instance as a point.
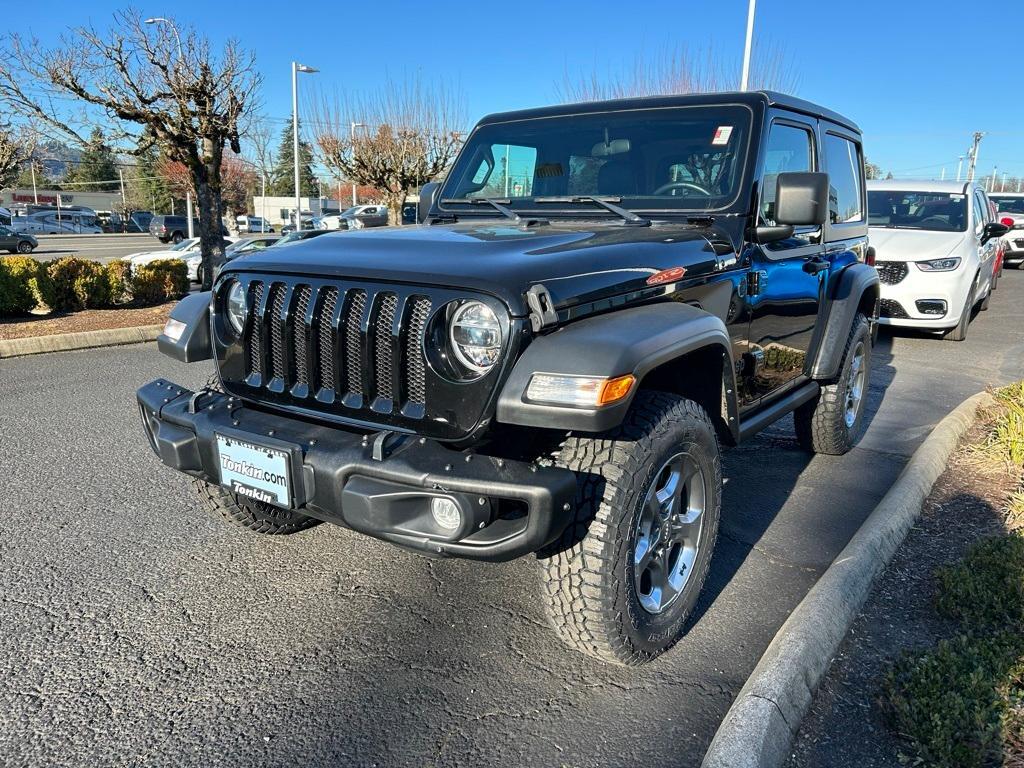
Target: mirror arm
(770, 234)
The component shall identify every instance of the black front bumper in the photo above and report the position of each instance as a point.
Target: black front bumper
(379, 484)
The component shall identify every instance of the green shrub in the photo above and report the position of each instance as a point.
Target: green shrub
(160, 281)
(19, 284)
(951, 702)
(77, 284)
(985, 590)
(119, 281)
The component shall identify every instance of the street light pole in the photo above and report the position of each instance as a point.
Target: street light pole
(746, 48)
(181, 57)
(352, 139)
(959, 167)
(296, 68)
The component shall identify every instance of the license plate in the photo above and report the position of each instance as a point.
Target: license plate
(255, 471)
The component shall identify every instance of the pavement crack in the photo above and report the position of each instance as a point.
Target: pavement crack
(773, 559)
(777, 708)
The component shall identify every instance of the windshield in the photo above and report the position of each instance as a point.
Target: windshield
(937, 211)
(686, 158)
(184, 245)
(1008, 204)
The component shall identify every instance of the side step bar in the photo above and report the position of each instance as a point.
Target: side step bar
(788, 402)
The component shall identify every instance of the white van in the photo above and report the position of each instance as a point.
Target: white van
(250, 224)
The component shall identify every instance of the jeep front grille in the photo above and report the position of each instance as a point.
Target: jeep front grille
(891, 272)
(328, 344)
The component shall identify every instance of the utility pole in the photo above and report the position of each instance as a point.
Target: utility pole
(745, 77)
(973, 153)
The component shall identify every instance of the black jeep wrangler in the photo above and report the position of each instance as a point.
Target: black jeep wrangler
(599, 296)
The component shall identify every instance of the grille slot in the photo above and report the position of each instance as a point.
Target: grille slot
(415, 365)
(325, 346)
(891, 272)
(302, 296)
(353, 342)
(255, 331)
(337, 347)
(383, 344)
(275, 306)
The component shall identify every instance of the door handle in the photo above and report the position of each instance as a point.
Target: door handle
(815, 264)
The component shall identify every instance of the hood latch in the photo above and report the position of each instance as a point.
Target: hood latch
(542, 309)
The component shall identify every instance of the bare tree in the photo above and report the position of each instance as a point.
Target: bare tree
(411, 136)
(189, 101)
(677, 71)
(11, 152)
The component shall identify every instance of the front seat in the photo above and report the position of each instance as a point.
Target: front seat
(616, 177)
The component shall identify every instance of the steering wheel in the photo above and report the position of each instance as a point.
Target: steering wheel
(935, 222)
(680, 185)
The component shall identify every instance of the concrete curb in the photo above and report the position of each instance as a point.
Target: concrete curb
(758, 729)
(61, 342)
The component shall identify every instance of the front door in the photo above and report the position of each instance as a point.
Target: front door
(786, 277)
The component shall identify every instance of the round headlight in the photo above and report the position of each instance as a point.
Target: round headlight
(475, 336)
(235, 306)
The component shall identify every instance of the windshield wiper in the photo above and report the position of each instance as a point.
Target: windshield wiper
(495, 204)
(608, 203)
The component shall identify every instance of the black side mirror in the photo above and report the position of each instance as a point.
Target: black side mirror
(427, 194)
(993, 229)
(801, 199)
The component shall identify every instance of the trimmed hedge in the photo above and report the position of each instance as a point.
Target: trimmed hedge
(19, 284)
(70, 284)
(160, 281)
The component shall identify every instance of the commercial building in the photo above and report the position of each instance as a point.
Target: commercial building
(21, 196)
(278, 210)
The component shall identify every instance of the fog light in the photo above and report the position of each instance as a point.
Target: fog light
(446, 513)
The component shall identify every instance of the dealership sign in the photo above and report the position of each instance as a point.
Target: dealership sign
(43, 198)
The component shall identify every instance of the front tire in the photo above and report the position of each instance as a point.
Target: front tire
(177, 237)
(250, 514)
(959, 331)
(25, 247)
(833, 421)
(624, 577)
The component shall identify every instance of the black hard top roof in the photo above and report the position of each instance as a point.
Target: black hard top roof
(752, 98)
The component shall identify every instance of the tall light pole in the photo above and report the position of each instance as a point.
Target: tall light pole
(296, 68)
(352, 139)
(181, 57)
(746, 48)
(959, 167)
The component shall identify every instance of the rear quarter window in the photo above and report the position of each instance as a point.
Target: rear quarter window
(845, 196)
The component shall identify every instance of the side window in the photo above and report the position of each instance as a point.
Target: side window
(979, 213)
(843, 163)
(789, 149)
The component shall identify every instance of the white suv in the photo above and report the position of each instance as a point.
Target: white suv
(1010, 206)
(935, 248)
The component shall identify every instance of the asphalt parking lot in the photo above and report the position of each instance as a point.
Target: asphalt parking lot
(100, 247)
(137, 630)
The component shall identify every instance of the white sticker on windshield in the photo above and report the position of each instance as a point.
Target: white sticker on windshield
(957, 198)
(722, 134)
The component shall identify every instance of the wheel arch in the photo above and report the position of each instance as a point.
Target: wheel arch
(668, 346)
(857, 291)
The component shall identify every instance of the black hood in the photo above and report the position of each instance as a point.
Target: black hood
(576, 261)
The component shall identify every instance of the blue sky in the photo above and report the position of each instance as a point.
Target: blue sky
(919, 77)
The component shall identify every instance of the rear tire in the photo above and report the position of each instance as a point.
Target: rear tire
(624, 577)
(988, 298)
(250, 514)
(833, 421)
(177, 237)
(24, 247)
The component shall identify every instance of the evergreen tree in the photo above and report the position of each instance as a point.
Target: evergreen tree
(97, 164)
(282, 178)
(153, 191)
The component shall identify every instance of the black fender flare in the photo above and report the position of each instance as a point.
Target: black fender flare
(635, 340)
(853, 283)
(194, 343)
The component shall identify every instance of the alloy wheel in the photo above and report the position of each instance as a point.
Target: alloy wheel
(855, 385)
(668, 532)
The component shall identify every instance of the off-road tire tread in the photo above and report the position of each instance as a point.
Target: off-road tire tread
(578, 571)
(224, 503)
(820, 424)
